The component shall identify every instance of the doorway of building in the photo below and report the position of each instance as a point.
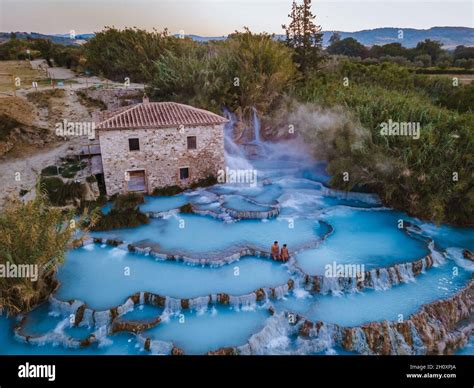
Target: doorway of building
(137, 181)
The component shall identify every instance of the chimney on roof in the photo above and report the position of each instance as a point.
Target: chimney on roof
(146, 100)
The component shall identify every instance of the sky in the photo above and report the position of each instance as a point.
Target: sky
(221, 17)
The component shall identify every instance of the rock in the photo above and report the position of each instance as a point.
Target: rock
(223, 298)
(79, 314)
(316, 284)
(87, 341)
(467, 254)
(417, 266)
(146, 345)
(260, 294)
(177, 351)
(223, 352)
(305, 328)
(134, 326)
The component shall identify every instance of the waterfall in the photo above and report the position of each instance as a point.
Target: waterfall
(281, 291)
(256, 127)
(172, 304)
(330, 285)
(199, 303)
(406, 272)
(102, 318)
(234, 156)
(438, 258)
(275, 334)
(244, 302)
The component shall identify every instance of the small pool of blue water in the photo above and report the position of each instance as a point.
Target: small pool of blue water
(197, 235)
(392, 304)
(110, 275)
(200, 332)
(371, 238)
(447, 236)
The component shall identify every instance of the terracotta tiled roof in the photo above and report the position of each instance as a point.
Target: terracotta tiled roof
(156, 115)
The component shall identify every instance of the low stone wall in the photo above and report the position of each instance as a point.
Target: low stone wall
(437, 328)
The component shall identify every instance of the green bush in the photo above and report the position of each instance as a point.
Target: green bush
(186, 208)
(7, 125)
(128, 201)
(59, 192)
(50, 171)
(412, 175)
(167, 191)
(245, 71)
(205, 182)
(121, 218)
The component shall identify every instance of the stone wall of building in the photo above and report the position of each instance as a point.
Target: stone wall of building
(163, 151)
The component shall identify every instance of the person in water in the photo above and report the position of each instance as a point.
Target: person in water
(284, 255)
(275, 251)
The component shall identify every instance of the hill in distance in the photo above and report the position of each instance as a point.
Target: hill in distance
(449, 36)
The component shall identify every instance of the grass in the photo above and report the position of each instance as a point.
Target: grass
(20, 69)
(90, 102)
(43, 98)
(167, 191)
(50, 171)
(7, 125)
(61, 193)
(124, 214)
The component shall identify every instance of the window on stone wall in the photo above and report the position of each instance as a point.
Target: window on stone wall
(184, 173)
(134, 144)
(192, 143)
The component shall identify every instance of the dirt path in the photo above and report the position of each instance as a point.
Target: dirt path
(22, 173)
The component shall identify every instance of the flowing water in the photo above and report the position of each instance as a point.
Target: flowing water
(321, 227)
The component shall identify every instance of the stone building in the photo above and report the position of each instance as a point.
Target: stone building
(157, 144)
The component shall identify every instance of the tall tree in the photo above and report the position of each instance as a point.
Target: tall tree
(335, 37)
(304, 36)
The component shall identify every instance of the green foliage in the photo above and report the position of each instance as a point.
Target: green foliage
(128, 201)
(186, 208)
(117, 54)
(349, 47)
(394, 77)
(70, 169)
(124, 214)
(50, 171)
(15, 49)
(91, 102)
(205, 182)
(42, 98)
(61, 193)
(247, 70)
(167, 191)
(32, 233)
(7, 125)
(413, 175)
(304, 36)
